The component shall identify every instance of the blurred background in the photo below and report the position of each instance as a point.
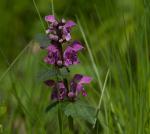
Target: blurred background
(117, 34)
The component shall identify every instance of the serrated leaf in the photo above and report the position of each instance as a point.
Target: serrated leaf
(42, 39)
(50, 73)
(81, 110)
(64, 72)
(46, 74)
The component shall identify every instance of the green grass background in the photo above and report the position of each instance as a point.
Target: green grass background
(115, 34)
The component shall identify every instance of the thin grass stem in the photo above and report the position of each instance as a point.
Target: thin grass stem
(52, 3)
(91, 56)
(43, 26)
(100, 100)
(14, 61)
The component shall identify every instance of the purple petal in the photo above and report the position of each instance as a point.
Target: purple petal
(77, 46)
(49, 83)
(49, 60)
(52, 48)
(53, 55)
(77, 82)
(84, 93)
(50, 18)
(68, 37)
(70, 56)
(68, 49)
(71, 94)
(47, 31)
(82, 79)
(53, 37)
(60, 85)
(79, 88)
(70, 24)
(67, 62)
(66, 34)
(59, 62)
(85, 80)
(77, 77)
(61, 90)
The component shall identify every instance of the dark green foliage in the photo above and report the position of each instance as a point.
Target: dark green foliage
(81, 110)
(76, 109)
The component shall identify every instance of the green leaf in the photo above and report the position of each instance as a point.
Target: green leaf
(46, 74)
(42, 39)
(50, 73)
(81, 110)
(75, 109)
(64, 72)
(52, 105)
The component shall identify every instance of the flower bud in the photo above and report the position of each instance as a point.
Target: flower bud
(71, 95)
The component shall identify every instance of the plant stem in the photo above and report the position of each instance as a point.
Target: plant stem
(71, 126)
(60, 120)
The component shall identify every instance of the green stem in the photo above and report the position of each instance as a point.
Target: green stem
(60, 120)
(71, 126)
(38, 12)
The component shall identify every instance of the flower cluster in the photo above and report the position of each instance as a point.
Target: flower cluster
(59, 33)
(59, 58)
(76, 86)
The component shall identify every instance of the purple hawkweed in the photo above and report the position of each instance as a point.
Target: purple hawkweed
(59, 32)
(61, 92)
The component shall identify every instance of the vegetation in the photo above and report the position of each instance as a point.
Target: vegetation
(116, 37)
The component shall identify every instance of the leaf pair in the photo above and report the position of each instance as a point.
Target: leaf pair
(77, 109)
(48, 73)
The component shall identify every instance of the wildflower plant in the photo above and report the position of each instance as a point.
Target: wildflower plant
(62, 53)
(59, 33)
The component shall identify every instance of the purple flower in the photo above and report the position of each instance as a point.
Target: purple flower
(70, 54)
(76, 85)
(59, 31)
(59, 91)
(66, 29)
(53, 56)
(50, 18)
(66, 34)
(69, 24)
